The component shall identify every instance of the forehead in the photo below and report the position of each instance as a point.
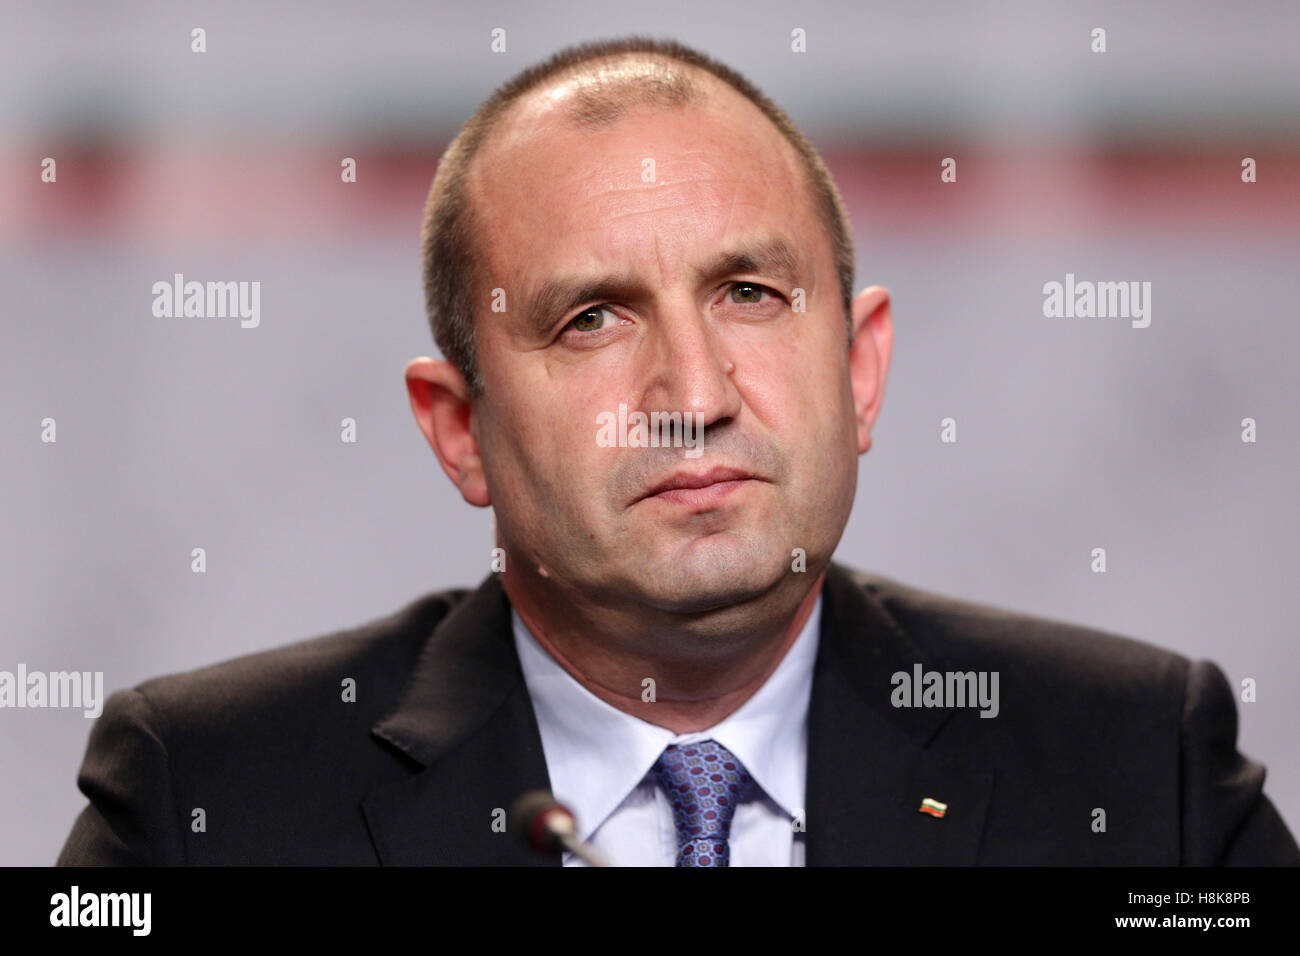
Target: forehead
(546, 188)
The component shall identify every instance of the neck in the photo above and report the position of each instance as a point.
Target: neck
(690, 692)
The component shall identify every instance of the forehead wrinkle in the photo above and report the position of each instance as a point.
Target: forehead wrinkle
(731, 207)
(700, 178)
(685, 203)
(613, 217)
(659, 258)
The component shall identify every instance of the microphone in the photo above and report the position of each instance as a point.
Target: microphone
(548, 827)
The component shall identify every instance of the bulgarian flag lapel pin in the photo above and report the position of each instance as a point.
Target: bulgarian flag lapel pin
(933, 807)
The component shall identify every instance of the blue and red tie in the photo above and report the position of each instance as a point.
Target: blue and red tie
(704, 782)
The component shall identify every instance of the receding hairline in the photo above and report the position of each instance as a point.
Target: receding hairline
(596, 94)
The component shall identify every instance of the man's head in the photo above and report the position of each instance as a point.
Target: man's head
(633, 224)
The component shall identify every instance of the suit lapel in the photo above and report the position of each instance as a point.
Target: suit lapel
(871, 764)
(466, 719)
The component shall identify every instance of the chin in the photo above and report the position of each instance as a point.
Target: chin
(712, 573)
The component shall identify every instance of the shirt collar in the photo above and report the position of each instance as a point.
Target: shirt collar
(596, 754)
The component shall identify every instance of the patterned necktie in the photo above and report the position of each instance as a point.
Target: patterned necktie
(704, 781)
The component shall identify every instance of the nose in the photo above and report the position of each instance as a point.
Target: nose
(688, 368)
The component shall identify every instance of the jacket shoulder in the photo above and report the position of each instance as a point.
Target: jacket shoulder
(1101, 720)
(965, 633)
(302, 680)
(274, 748)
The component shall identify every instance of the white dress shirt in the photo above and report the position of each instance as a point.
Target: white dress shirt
(599, 760)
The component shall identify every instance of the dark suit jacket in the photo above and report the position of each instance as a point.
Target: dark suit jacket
(442, 734)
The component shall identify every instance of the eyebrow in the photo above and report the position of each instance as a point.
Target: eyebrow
(556, 297)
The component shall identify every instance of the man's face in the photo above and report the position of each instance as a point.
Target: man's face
(650, 204)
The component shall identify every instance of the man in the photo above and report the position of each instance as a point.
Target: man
(631, 233)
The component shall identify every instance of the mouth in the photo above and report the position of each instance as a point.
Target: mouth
(699, 488)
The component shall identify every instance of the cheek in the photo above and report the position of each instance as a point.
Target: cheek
(544, 444)
(552, 458)
(797, 378)
(508, 441)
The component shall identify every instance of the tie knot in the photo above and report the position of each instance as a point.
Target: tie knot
(704, 782)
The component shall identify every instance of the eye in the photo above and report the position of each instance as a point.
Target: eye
(749, 293)
(591, 320)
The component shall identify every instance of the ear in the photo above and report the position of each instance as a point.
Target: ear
(443, 409)
(873, 342)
